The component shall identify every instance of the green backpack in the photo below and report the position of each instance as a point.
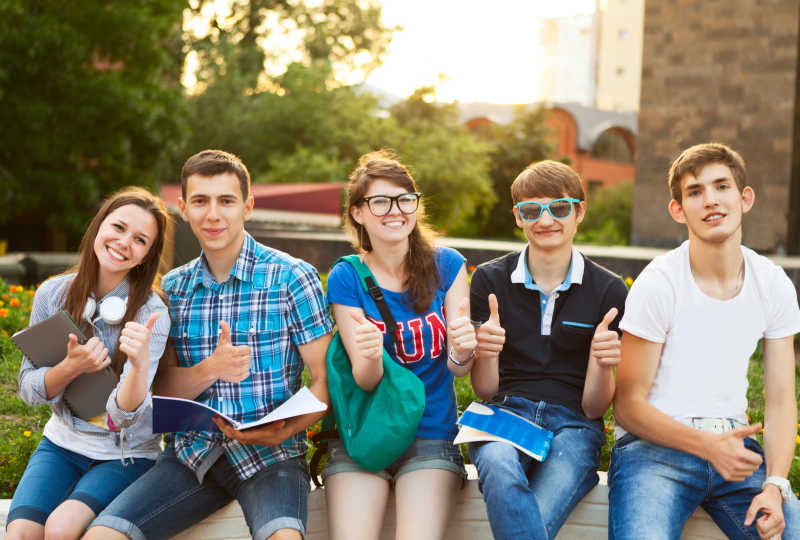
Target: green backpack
(375, 427)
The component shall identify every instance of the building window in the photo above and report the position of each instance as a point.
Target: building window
(623, 34)
(612, 146)
(620, 71)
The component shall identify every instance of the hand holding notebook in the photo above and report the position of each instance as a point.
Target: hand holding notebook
(50, 341)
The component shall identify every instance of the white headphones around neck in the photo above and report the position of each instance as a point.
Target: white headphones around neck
(111, 310)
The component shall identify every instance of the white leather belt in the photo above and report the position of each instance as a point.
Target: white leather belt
(713, 425)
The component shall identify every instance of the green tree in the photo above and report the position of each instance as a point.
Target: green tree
(608, 216)
(289, 120)
(306, 131)
(268, 35)
(450, 165)
(89, 102)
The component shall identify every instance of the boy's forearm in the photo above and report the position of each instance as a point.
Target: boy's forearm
(485, 376)
(639, 417)
(780, 405)
(183, 382)
(598, 390)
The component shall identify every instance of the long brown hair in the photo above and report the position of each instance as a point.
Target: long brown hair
(422, 277)
(143, 278)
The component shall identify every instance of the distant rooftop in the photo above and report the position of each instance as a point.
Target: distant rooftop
(591, 122)
(318, 206)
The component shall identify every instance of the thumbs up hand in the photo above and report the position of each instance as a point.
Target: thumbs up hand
(368, 337)
(605, 347)
(461, 333)
(491, 336)
(230, 362)
(134, 341)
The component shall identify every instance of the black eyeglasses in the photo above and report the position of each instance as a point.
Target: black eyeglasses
(380, 205)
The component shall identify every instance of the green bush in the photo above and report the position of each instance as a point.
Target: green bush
(20, 425)
(608, 216)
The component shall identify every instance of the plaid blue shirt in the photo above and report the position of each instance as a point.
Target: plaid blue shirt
(273, 303)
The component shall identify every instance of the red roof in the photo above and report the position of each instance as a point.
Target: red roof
(316, 198)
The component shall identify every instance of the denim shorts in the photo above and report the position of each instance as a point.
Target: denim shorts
(422, 454)
(55, 474)
(169, 499)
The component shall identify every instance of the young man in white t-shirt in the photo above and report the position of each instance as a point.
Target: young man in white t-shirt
(692, 319)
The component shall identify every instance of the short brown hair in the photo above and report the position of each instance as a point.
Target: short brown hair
(547, 178)
(212, 163)
(693, 159)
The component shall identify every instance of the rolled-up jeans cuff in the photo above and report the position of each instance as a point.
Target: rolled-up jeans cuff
(275, 525)
(120, 525)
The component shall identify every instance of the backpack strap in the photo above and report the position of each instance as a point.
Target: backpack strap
(371, 287)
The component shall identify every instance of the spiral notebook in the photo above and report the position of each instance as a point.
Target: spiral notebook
(45, 345)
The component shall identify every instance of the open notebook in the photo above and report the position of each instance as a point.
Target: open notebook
(178, 414)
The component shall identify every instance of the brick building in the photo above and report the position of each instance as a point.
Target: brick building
(601, 145)
(716, 70)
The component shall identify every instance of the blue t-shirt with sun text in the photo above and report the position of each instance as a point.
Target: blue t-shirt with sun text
(424, 337)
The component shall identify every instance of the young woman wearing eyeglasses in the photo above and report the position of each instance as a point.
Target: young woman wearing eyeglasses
(82, 464)
(426, 290)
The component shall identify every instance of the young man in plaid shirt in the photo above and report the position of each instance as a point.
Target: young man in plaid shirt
(243, 318)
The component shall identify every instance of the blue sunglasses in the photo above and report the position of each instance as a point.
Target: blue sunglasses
(557, 208)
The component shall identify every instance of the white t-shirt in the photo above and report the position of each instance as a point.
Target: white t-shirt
(707, 342)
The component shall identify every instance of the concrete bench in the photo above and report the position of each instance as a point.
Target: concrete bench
(589, 520)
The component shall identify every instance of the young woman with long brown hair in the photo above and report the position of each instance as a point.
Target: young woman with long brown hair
(82, 464)
(421, 284)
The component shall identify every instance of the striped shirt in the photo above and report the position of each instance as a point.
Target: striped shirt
(273, 303)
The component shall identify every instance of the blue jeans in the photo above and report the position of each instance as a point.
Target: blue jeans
(55, 474)
(168, 498)
(526, 499)
(654, 490)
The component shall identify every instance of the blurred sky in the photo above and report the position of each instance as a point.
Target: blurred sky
(472, 50)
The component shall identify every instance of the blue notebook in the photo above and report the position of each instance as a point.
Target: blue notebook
(487, 422)
(176, 414)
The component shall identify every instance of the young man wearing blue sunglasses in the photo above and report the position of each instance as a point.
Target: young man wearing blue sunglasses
(547, 344)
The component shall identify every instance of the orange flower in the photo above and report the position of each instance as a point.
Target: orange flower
(5, 297)
(14, 302)
(3, 312)
(12, 288)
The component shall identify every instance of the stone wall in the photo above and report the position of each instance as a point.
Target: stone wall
(716, 70)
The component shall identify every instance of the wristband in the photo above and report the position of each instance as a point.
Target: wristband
(782, 484)
(452, 357)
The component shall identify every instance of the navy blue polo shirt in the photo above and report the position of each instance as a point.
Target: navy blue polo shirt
(546, 352)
